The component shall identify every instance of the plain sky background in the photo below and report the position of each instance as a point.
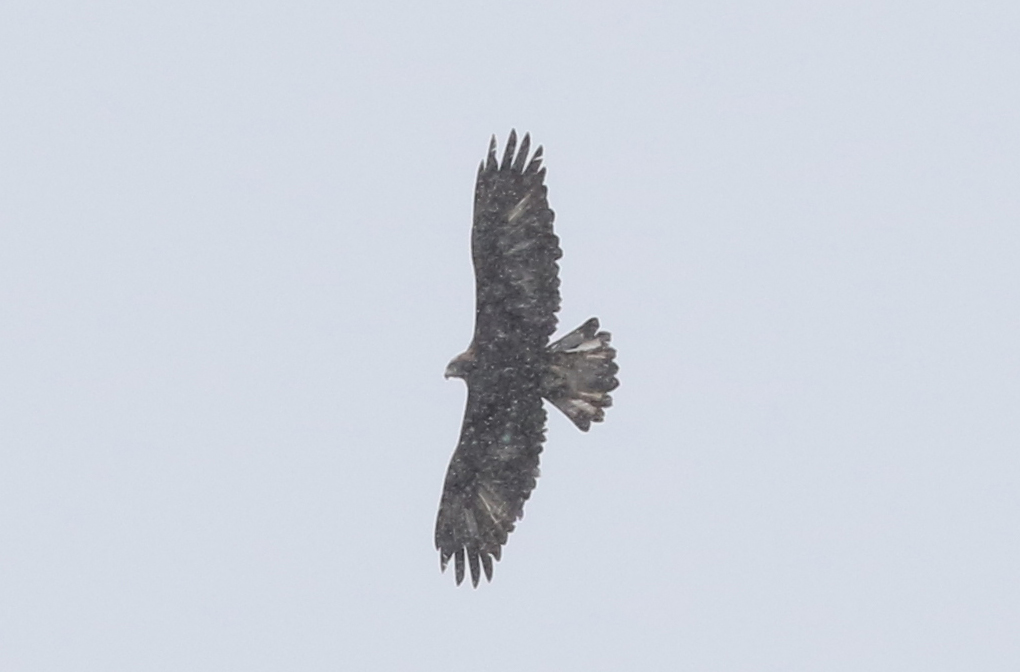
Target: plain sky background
(234, 262)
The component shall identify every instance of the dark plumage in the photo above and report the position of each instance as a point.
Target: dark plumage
(510, 366)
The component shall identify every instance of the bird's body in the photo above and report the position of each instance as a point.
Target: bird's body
(510, 366)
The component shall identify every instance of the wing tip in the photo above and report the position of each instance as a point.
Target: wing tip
(522, 154)
(490, 157)
(515, 157)
(509, 150)
(459, 565)
(470, 563)
(487, 566)
(475, 569)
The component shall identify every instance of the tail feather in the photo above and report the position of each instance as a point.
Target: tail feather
(581, 373)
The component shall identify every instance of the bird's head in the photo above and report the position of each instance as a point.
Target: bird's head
(461, 365)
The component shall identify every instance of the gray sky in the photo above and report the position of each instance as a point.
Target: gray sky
(234, 263)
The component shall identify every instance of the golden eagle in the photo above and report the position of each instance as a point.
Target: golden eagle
(510, 365)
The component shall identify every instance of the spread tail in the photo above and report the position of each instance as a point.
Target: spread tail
(581, 373)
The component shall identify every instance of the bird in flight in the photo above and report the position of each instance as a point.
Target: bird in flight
(510, 365)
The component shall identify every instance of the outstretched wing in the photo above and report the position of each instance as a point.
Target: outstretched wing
(494, 468)
(514, 251)
(492, 472)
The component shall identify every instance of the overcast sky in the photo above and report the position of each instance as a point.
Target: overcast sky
(234, 262)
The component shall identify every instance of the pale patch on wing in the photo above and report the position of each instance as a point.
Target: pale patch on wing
(518, 209)
(586, 346)
(581, 405)
(521, 246)
(495, 507)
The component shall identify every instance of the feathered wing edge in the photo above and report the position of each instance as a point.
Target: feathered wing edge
(476, 551)
(512, 159)
(491, 475)
(473, 558)
(514, 250)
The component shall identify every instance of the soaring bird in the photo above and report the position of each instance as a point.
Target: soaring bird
(510, 365)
